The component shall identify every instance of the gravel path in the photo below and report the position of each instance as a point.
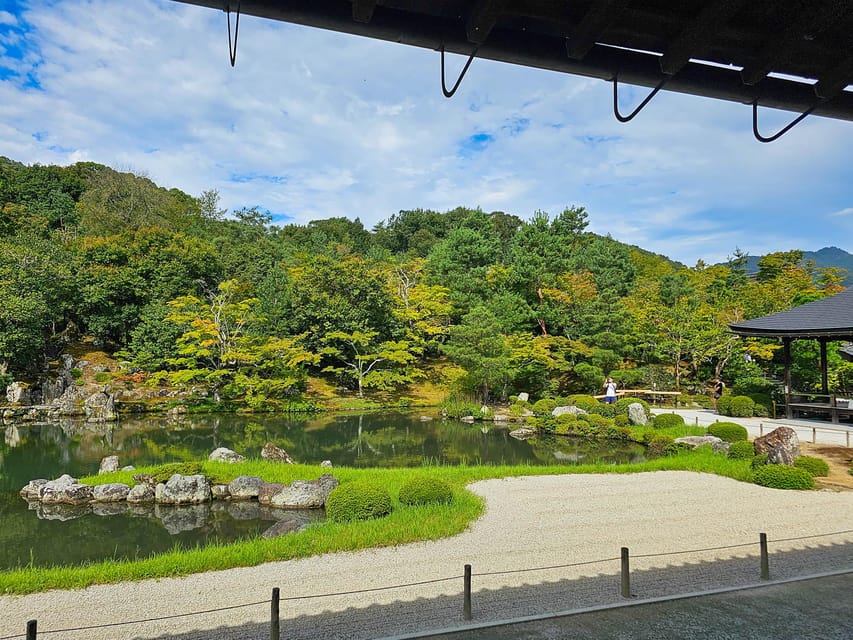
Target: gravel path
(530, 522)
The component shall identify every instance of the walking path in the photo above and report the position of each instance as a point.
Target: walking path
(686, 532)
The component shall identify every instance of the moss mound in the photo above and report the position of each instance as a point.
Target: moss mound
(815, 466)
(181, 468)
(728, 431)
(425, 491)
(667, 420)
(741, 450)
(781, 476)
(360, 500)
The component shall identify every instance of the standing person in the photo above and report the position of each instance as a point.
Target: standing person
(609, 391)
(717, 392)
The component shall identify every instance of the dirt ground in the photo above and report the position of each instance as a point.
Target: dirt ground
(839, 460)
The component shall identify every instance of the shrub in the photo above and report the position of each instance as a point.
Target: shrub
(425, 491)
(661, 445)
(741, 407)
(622, 405)
(724, 405)
(359, 500)
(458, 407)
(544, 406)
(759, 461)
(621, 420)
(76, 373)
(815, 466)
(667, 420)
(728, 431)
(741, 450)
(585, 402)
(781, 476)
(103, 376)
(181, 468)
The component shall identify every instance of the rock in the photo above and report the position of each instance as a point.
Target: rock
(425, 418)
(34, 489)
(51, 390)
(223, 454)
(144, 478)
(68, 403)
(781, 446)
(141, 493)
(245, 487)
(326, 464)
(99, 368)
(267, 490)
(67, 361)
(275, 454)
(177, 410)
(523, 433)
(183, 490)
(305, 494)
(66, 490)
(637, 414)
(128, 467)
(108, 465)
(469, 419)
(698, 441)
(18, 393)
(523, 396)
(220, 492)
(112, 492)
(100, 407)
(501, 417)
(571, 409)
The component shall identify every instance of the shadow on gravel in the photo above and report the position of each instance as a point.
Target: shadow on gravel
(549, 594)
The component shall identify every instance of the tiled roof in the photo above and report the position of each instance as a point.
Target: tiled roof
(830, 317)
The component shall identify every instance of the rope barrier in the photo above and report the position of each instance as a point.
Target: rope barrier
(415, 584)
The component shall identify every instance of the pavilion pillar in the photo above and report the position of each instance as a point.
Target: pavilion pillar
(786, 353)
(824, 383)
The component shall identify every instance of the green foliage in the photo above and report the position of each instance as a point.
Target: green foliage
(728, 431)
(741, 407)
(456, 406)
(621, 420)
(758, 461)
(76, 374)
(724, 404)
(815, 466)
(103, 376)
(425, 490)
(584, 401)
(622, 405)
(544, 406)
(166, 471)
(741, 450)
(360, 500)
(661, 445)
(780, 476)
(667, 420)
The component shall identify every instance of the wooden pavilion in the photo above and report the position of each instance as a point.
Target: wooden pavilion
(823, 320)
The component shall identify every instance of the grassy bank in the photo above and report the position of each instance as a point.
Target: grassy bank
(405, 524)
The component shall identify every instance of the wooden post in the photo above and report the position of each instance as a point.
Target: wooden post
(765, 561)
(626, 574)
(823, 372)
(466, 604)
(760, 429)
(786, 350)
(31, 629)
(275, 630)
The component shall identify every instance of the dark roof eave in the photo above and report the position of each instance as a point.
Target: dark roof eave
(838, 334)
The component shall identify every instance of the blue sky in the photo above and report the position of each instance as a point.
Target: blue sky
(312, 124)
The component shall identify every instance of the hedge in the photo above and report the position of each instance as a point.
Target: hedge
(781, 476)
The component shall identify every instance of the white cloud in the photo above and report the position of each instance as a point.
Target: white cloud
(843, 212)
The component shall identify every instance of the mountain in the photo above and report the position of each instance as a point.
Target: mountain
(826, 257)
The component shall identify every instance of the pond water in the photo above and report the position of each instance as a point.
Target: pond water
(64, 535)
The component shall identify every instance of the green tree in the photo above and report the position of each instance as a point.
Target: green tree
(369, 362)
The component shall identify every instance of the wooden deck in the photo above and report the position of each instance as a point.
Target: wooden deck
(830, 408)
(652, 394)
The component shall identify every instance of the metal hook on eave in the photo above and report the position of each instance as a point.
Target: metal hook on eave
(781, 133)
(449, 94)
(631, 115)
(232, 51)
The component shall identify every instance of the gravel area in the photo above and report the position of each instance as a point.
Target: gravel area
(530, 523)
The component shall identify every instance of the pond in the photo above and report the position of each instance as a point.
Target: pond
(68, 536)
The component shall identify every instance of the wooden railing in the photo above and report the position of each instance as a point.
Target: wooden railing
(818, 403)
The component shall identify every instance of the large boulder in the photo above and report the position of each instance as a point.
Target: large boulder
(275, 454)
(699, 441)
(34, 489)
(112, 492)
(523, 396)
(66, 490)
(245, 487)
(223, 454)
(141, 493)
(183, 490)
(781, 446)
(571, 409)
(305, 494)
(637, 414)
(100, 407)
(268, 490)
(522, 433)
(108, 465)
(18, 393)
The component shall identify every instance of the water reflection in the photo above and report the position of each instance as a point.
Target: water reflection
(62, 534)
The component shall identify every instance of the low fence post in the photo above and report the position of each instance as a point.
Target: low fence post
(626, 574)
(275, 630)
(466, 604)
(814, 435)
(31, 629)
(765, 561)
(760, 429)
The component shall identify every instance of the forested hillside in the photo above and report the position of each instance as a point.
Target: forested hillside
(188, 295)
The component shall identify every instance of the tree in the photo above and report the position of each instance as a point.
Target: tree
(369, 362)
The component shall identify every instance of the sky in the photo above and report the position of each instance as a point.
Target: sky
(312, 124)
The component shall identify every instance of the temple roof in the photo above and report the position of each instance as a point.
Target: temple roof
(830, 317)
